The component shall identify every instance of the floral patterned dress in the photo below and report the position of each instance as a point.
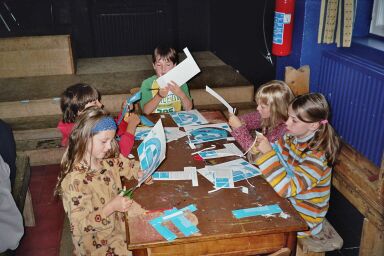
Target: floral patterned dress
(85, 192)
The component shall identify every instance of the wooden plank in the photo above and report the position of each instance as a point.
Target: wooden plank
(372, 240)
(45, 156)
(36, 56)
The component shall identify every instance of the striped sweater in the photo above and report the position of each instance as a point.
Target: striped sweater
(305, 179)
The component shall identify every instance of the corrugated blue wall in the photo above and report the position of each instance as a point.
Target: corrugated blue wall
(354, 87)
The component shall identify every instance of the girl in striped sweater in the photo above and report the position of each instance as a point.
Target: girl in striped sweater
(298, 166)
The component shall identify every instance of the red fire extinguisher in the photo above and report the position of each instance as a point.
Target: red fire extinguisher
(283, 27)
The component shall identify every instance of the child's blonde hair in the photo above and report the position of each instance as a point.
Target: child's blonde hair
(80, 137)
(311, 108)
(277, 95)
(74, 99)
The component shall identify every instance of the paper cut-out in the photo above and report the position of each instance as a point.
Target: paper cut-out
(180, 74)
(178, 219)
(129, 101)
(191, 117)
(256, 211)
(220, 98)
(145, 121)
(229, 150)
(152, 151)
(189, 173)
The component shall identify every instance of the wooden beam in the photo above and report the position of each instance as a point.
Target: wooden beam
(372, 240)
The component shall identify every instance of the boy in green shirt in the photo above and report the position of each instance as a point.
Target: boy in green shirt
(169, 99)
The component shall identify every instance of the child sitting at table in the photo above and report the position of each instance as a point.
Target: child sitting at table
(89, 183)
(272, 101)
(77, 98)
(298, 166)
(169, 99)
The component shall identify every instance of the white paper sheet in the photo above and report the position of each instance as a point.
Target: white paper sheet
(221, 99)
(229, 150)
(189, 173)
(182, 73)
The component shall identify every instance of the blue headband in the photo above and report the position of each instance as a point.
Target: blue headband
(106, 123)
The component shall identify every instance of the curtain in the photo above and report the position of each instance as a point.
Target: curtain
(336, 22)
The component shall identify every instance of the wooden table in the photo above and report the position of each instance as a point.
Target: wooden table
(221, 233)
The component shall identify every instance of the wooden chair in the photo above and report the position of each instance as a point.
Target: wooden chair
(327, 240)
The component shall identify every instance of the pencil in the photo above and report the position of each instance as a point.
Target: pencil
(152, 89)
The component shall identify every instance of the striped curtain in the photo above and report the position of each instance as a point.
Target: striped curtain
(336, 22)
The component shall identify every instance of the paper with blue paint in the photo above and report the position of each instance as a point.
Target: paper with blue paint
(189, 173)
(182, 223)
(152, 151)
(178, 219)
(229, 150)
(186, 118)
(129, 101)
(241, 169)
(145, 121)
(256, 211)
(206, 133)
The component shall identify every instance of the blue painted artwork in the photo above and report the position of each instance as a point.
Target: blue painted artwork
(145, 121)
(185, 118)
(129, 101)
(256, 211)
(207, 134)
(152, 151)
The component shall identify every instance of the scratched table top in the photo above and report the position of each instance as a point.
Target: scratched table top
(214, 210)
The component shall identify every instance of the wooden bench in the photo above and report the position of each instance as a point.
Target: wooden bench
(31, 104)
(362, 184)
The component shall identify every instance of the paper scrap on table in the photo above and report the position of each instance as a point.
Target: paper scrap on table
(229, 150)
(223, 178)
(221, 99)
(178, 218)
(182, 73)
(189, 173)
(256, 211)
(152, 151)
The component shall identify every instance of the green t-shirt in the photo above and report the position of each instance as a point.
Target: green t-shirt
(170, 103)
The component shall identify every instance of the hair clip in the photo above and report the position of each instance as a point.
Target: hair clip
(325, 121)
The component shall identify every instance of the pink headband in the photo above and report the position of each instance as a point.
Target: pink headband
(325, 121)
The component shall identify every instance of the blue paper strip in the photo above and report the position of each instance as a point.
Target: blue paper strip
(145, 121)
(249, 212)
(160, 175)
(282, 161)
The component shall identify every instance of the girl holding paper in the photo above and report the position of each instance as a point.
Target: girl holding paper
(272, 101)
(89, 184)
(78, 97)
(169, 99)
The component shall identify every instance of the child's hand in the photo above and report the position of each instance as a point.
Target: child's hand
(132, 118)
(234, 121)
(117, 204)
(148, 181)
(262, 144)
(175, 89)
(163, 92)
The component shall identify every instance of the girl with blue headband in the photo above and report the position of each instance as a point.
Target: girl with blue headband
(89, 184)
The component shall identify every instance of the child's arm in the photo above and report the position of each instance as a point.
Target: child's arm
(152, 104)
(185, 99)
(77, 201)
(303, 177)
(127, 139)
(240, 132)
